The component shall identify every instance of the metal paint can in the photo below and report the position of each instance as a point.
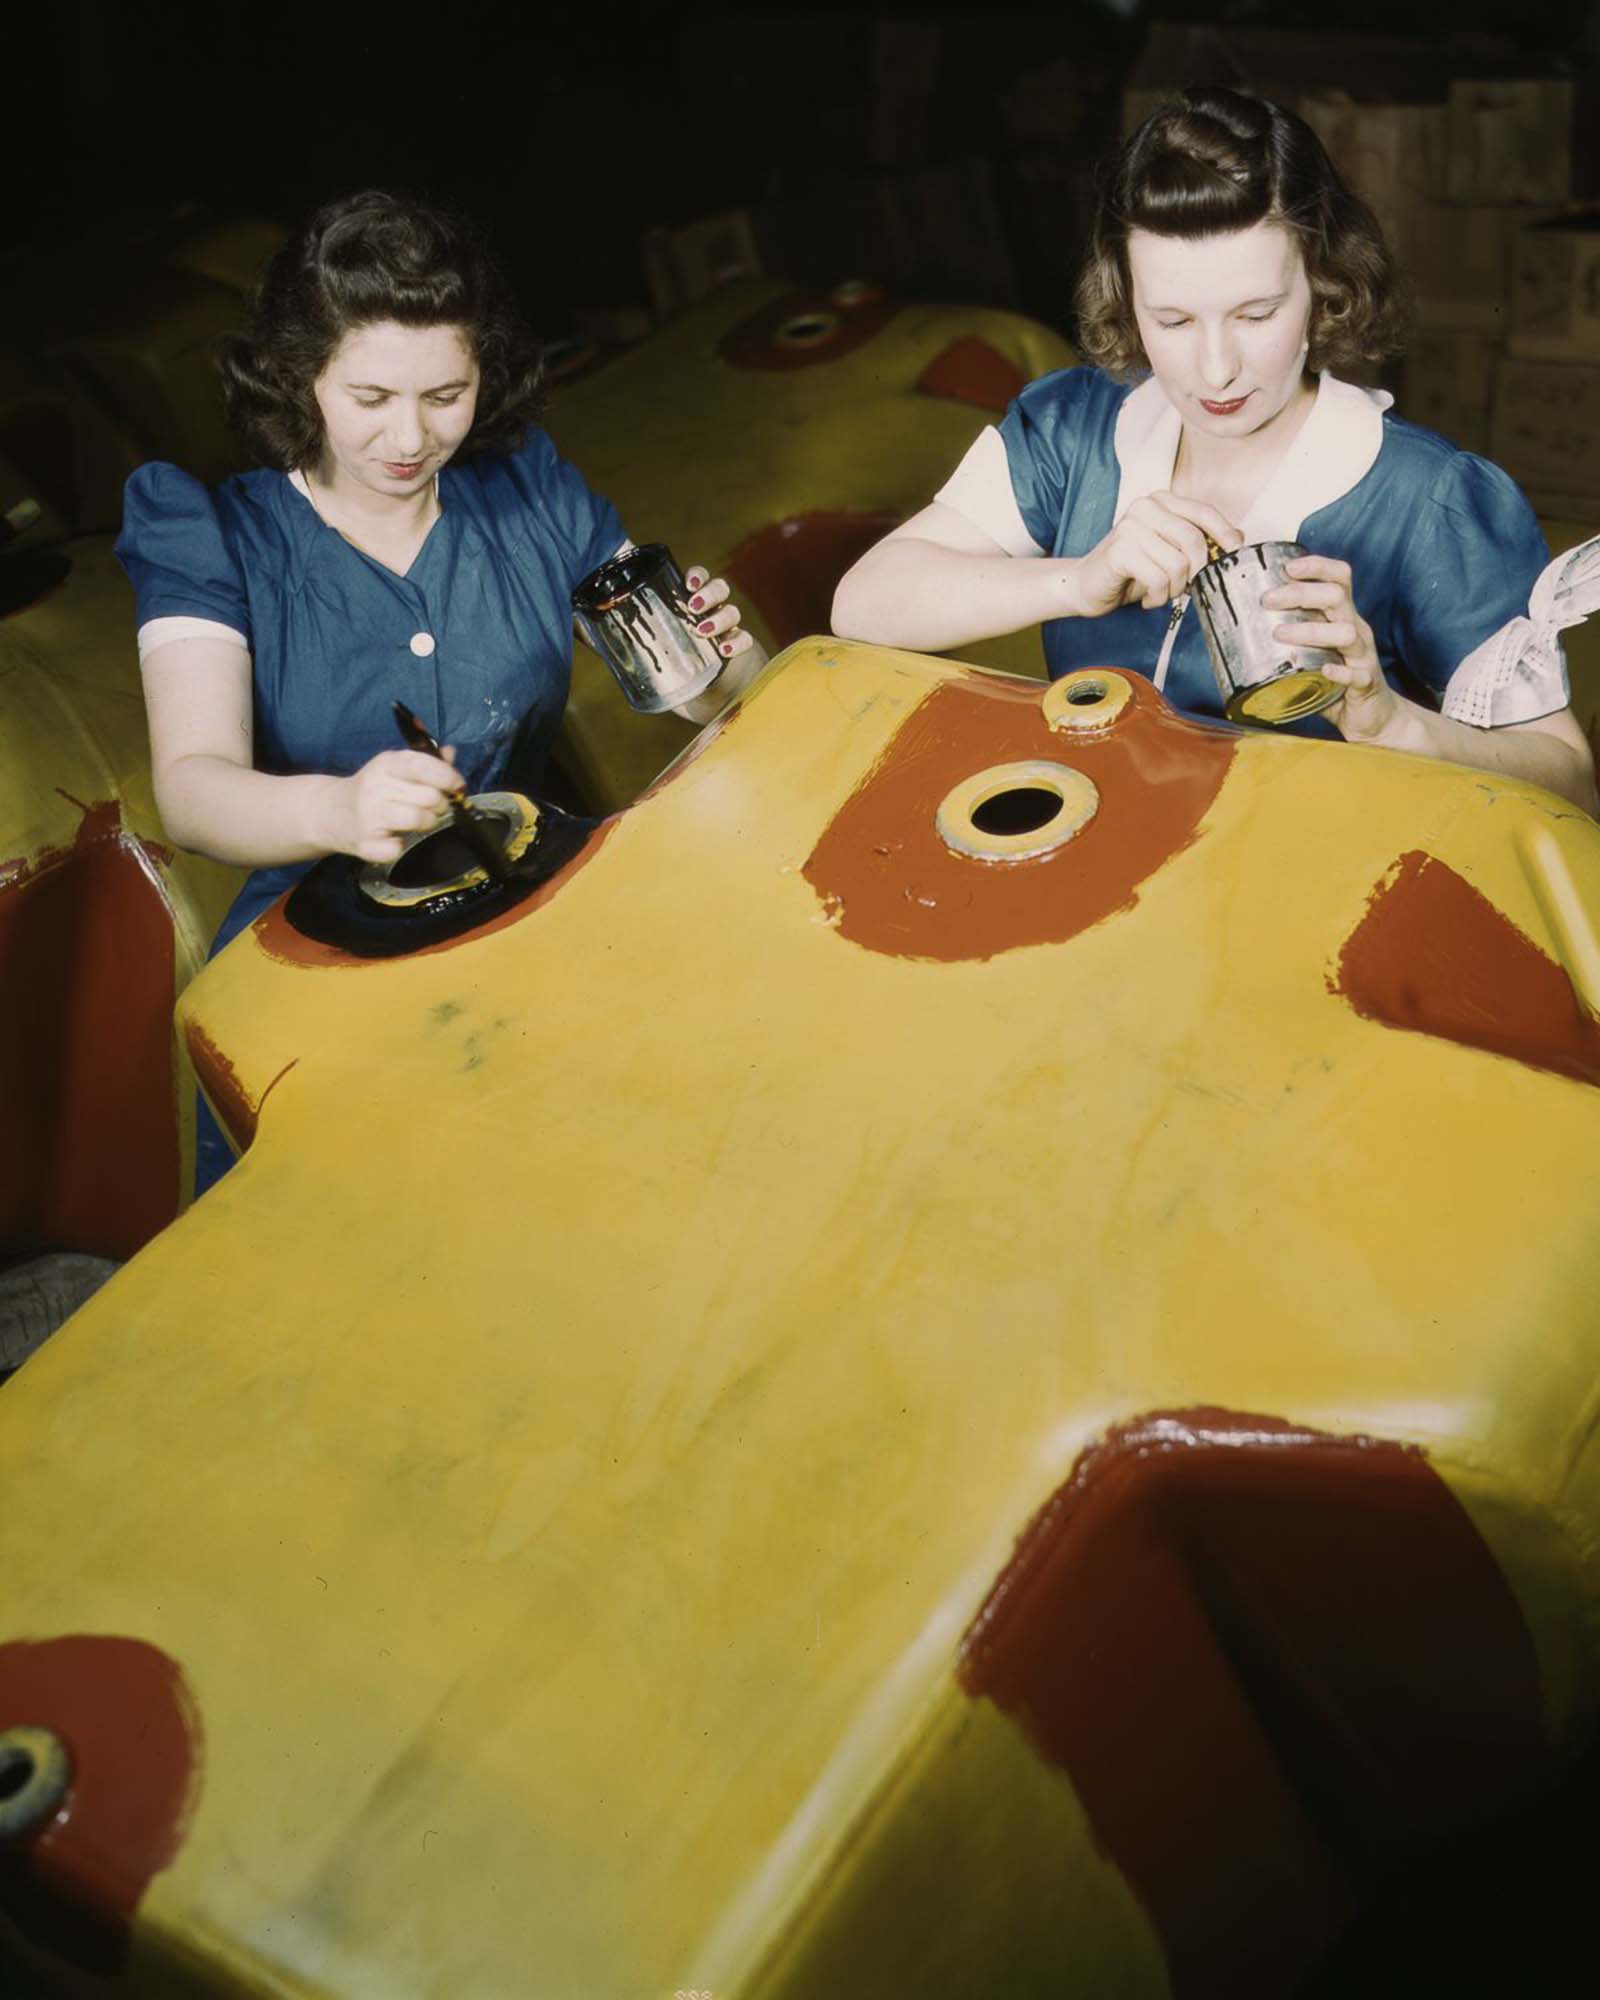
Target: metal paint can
(1259, 678)
(634, 611)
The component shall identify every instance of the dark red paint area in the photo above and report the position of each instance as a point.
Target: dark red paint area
(88, 1103)
(758, 342)
(897, 888)
(971, 371)
(131, 1728)
(218, 1078)
(1273, 1663)
(1434, 955)
(791, 569)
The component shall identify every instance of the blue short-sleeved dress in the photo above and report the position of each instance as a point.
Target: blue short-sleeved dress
(1442, 545)
(476, 637)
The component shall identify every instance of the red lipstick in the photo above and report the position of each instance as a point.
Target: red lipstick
(1226, 409)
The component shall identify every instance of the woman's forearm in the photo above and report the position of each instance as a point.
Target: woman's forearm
(211, 806)
(928, 598)
(1558, 761)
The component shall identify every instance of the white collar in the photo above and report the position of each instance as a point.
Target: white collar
(1336, 448)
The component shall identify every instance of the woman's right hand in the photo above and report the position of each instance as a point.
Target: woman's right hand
(1151, 553)
(396, 793)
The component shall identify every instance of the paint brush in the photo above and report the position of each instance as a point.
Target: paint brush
(477, 835)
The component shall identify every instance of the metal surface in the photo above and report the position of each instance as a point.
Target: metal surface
(101, 924)
(586, 1461)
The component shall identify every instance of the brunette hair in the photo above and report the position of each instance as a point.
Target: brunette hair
(359, 260)
(1213, 161)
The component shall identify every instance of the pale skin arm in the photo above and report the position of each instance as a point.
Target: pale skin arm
(1551, 751)
(197, 698)
(938, 581)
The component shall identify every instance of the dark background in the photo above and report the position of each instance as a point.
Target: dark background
(569, 133)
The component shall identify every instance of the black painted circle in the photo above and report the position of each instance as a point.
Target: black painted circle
(329, 906)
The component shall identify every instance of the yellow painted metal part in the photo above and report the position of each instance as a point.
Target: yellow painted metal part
(565, 1455)
(701, 453)
(74, 762)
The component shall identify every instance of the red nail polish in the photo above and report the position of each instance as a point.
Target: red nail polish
(696, 604)
(727, 648)
(704, 625)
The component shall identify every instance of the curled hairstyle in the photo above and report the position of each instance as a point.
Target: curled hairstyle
(1213, 161)
(363, 259)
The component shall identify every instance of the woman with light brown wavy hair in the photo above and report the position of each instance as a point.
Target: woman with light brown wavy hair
(1230, 277)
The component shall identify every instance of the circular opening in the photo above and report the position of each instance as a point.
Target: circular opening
(1016, 812)
(1018, 809)
(447, 854)
(1087, 701)
(807, 328)
(16, 1772)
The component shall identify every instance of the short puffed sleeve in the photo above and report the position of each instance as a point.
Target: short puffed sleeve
(584, 525)
(176, 555)
(1469, 567)
(1045, 431)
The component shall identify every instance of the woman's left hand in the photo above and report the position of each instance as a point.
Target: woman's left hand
(716, 614)
(1321, 583)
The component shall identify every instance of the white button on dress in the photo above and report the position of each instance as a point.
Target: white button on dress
(422, 644)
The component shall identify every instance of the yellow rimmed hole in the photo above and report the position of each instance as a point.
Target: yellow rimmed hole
(1091, 699)
(518, 816)
(1016, 812)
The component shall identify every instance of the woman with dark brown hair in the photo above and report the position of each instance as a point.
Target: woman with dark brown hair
(1231, 275)
(413, 535)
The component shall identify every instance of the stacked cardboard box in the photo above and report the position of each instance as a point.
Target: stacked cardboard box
(1547, 409)
(1495, 183)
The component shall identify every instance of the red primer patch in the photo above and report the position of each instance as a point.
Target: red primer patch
(755, 342)
(1257, 1651)
(971, 371)
(220, 1081)
(791, 569)
(898, 889)
(130, 1724)
(88, 1098)
(1434, 955)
